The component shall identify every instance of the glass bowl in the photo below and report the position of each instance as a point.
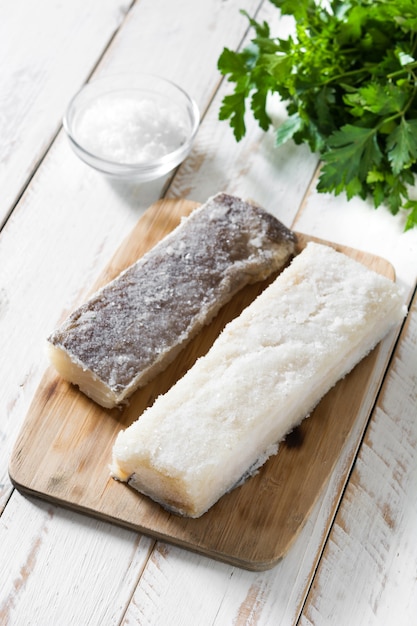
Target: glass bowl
(132, 126)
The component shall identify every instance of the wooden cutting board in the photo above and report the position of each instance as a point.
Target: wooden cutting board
(64, 449)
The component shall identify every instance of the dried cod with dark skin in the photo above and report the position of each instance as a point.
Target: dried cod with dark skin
(131, 329)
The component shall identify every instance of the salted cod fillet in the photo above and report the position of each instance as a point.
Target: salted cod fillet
(131, 330)
(265, 372)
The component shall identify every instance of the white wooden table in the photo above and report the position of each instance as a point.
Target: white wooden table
(61, 222)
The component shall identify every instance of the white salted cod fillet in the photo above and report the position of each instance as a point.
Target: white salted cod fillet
(265, 373)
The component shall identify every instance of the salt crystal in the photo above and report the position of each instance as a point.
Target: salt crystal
(124, 129)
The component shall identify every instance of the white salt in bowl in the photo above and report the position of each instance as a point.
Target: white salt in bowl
(132, 126)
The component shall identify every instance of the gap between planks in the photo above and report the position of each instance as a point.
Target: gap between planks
(339, 503)
(25, 185)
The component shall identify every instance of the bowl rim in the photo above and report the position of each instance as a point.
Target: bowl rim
(148, 166)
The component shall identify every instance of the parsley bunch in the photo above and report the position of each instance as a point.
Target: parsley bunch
(348, 75)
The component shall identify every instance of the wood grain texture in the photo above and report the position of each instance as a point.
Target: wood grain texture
(64, 448)
(370, 560)
(47, 51)
(93, 584)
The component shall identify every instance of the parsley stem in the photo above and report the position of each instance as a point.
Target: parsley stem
(342, 76)
(404, 70)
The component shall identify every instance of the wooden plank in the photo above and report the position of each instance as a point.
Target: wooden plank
(64, 448)
(368, 569)
(47, 51)
(42, 574)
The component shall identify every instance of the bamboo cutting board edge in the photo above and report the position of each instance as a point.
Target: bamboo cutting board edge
(255, 539)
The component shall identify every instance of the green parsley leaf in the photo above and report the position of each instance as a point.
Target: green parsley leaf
(412, 216)
(348, 77)
(288, 128)
(353, 151)
(402, 145)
